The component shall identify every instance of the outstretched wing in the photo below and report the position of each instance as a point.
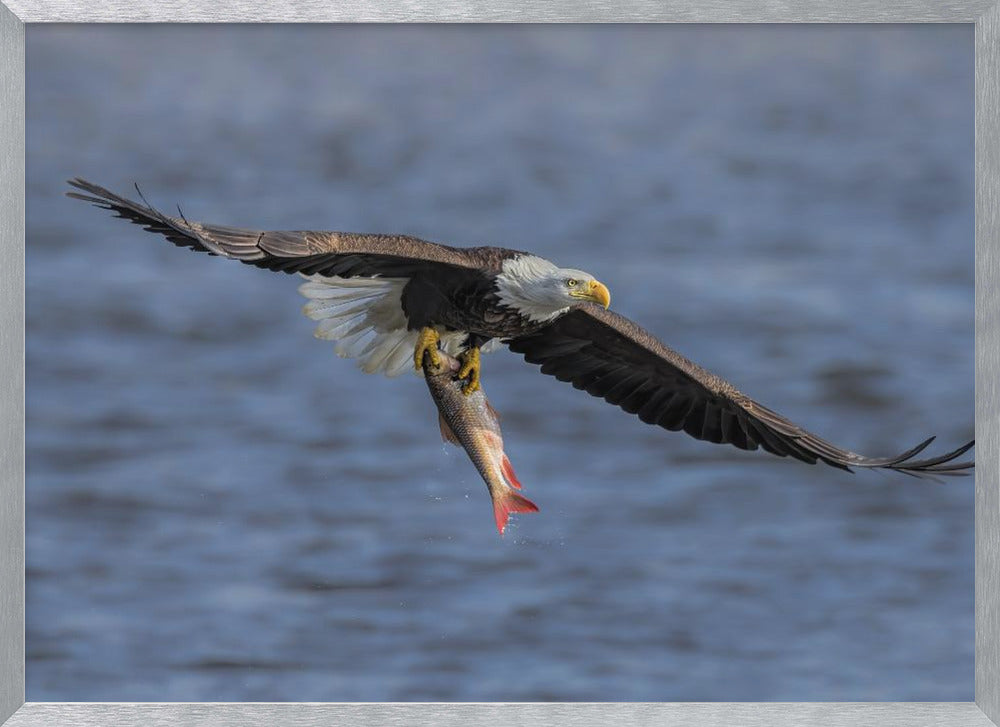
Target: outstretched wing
(344, 254)
(609, 356)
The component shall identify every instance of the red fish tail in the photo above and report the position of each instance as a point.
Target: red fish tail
(510, 502)
(508, 473)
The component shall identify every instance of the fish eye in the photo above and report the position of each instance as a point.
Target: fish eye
(571, 282)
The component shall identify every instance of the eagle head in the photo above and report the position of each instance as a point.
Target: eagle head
(541, 291)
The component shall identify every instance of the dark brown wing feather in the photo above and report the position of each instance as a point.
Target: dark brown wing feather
(609, 356)
(324, 253)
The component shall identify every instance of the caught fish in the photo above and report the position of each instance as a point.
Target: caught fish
(470, 422)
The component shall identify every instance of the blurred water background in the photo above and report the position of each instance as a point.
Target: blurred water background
(220, 509)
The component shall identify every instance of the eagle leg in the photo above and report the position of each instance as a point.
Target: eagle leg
(427, 341)
(470, 369)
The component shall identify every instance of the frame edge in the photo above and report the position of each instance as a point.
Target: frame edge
(987, 517)
(705, 714)
(986, 709)
(12, 166)
(505, 11)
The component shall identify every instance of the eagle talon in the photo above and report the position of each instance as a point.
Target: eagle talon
(427, 342)
(470, 370)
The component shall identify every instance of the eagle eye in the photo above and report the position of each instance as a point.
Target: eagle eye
(571, 282)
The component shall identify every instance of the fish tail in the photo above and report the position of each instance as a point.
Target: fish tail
(508, 472)
(510, 502)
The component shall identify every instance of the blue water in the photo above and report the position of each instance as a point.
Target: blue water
(221, 509)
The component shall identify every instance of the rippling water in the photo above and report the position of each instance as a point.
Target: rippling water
(220, 509)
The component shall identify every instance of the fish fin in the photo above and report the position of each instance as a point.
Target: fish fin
(446, 433)
(508, 503)
(508, 473)
(493, 412)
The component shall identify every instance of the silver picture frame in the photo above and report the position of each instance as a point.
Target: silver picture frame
(984, 711)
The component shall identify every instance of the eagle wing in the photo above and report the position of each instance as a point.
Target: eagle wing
(611, 357)
(344, 254)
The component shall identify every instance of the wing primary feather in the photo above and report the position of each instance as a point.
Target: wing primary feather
(673, 418)
(767, 439)
(694, 422)
(711, 430)
(635, 401)
(726, 420)
(603, 353)
(653, 407)
(955, 468)
(326, 253)
(944, 458)
(623, 388)
(942, 463)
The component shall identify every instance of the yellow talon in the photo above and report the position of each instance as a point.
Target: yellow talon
(427, 341)
(470, 370)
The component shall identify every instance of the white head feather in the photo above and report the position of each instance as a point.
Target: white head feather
(537, 288)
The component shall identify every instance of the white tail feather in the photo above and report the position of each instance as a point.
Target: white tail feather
(337, 307)
(400, 359)
(364, 316)
(334, 329)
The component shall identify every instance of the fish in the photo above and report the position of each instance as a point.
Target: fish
(470, 422)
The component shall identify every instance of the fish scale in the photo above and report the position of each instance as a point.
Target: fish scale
(470, 422)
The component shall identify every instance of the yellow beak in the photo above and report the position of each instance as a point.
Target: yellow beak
(599, 293)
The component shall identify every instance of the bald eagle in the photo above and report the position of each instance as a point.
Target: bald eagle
(387, 299)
